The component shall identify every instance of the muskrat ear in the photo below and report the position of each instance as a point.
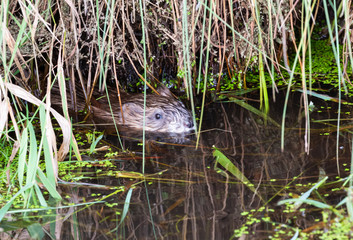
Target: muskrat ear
(164, 91)
(132, 109)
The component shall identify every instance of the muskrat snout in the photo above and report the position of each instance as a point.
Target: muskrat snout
(190, 123)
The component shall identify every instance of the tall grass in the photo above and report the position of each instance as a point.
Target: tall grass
(31, 150)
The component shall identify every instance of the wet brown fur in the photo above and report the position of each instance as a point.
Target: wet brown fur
(163, 113)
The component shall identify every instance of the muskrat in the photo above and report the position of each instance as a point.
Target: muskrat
(163, 112)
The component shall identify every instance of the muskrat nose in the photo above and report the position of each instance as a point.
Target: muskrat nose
(190, 123)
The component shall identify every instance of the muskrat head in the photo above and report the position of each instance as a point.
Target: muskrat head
(163, 114)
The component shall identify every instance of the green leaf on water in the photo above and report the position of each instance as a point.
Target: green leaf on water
(230, 167)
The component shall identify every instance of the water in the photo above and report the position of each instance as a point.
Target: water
(185, 196)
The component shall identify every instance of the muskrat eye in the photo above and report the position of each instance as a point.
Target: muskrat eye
(158, 116)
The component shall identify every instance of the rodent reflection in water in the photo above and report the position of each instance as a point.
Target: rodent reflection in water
(163, 113)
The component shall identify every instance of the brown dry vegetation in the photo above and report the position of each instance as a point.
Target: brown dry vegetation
(105, 39)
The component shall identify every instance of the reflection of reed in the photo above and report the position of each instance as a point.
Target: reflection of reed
(186, 198)
(253, 145)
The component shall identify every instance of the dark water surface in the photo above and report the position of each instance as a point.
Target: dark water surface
(184, 197)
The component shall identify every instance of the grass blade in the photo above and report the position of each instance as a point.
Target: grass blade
(229, 166)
